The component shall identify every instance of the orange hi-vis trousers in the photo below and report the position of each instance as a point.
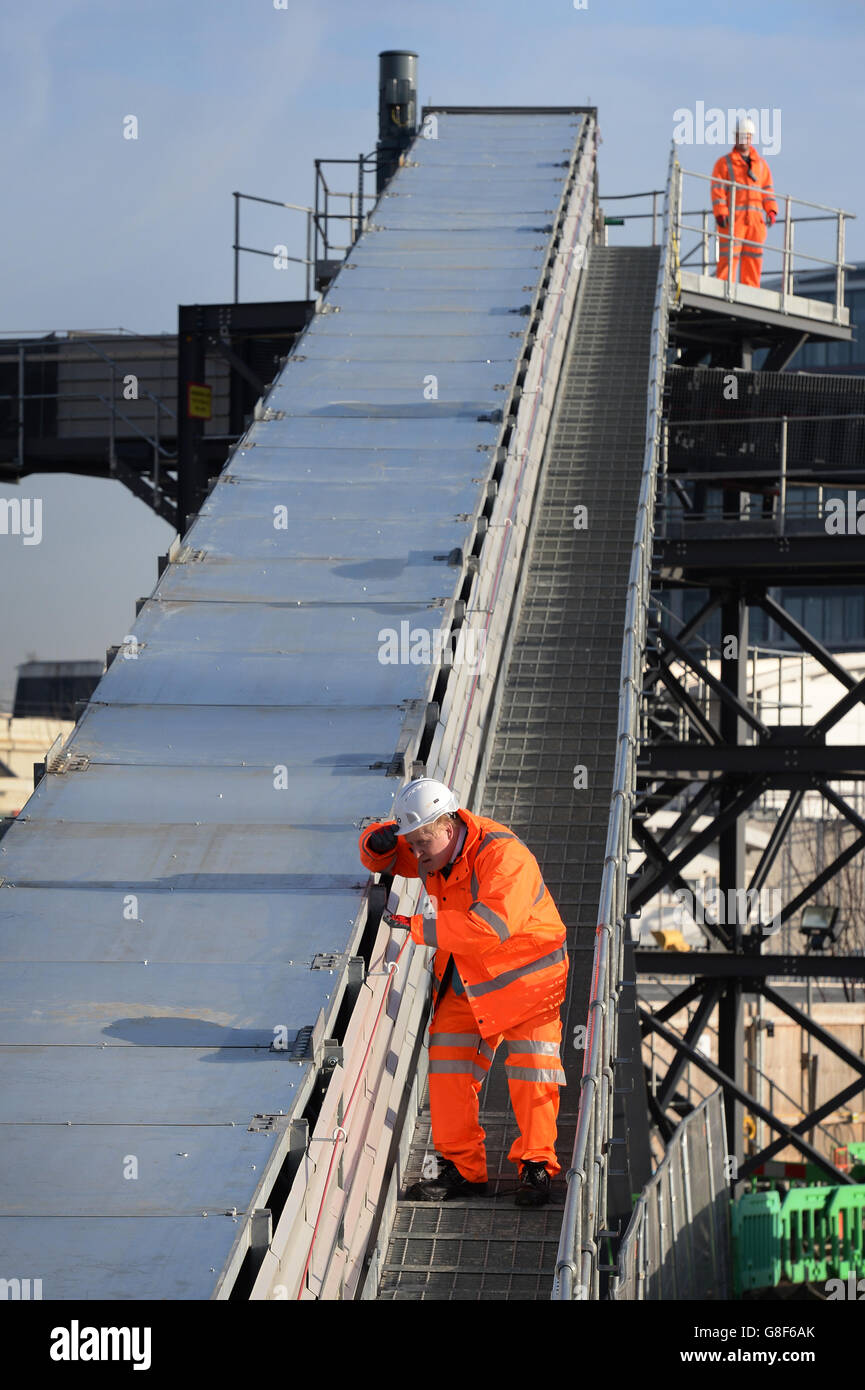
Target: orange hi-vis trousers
(747, 260)
(459, 1061)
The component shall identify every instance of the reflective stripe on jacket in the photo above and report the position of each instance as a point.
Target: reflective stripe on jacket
(754, 193)
(496, 916)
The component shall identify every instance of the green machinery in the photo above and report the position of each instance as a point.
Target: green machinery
(812, 1234)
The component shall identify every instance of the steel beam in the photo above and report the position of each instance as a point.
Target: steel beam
(750, 968)
(816, 883)
(806, 641)
(671, 759)
(741, 1097)
(770, 853)
(805, 1021)
(832, 716)
(708, 559)
(703, 1012)
(687, 703)
(646, 842)
(733, 716)
(679, 1001)
(841, 805)
(724, 692)
(741, 803)
(690, 627)
(755, 1161)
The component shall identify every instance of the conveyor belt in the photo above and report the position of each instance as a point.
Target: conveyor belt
(559, 710)
(190, 969)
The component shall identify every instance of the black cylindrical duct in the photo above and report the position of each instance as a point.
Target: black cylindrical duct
(397, 109)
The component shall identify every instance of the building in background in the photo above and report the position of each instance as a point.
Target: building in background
(44, 710)
(51, 689)
(846, 358)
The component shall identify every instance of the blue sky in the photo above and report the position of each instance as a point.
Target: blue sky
(105, 232)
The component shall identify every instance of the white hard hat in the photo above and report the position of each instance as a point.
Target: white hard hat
(420, 802)
(745, 126)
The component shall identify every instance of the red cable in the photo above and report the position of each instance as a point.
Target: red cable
(345, 1117)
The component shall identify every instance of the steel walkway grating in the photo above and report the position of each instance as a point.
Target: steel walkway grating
(485, 1248)
(559, 709)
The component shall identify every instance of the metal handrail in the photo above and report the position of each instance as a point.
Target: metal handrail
(765, 419)
(786, 479)
(157, 400)
(108, 401)
(636, 1261)
(653, 193)
(253, 250)
(577, 1264)
(317, 220)
(787, 253)
(786, 220)
(47, 341)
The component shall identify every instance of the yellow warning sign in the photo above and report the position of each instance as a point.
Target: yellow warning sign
(199, 401)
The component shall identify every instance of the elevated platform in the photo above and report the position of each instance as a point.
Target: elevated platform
(730, 330)
(760, 305)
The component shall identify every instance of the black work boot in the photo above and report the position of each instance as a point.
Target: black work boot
(535, 1182)
(450, 1183)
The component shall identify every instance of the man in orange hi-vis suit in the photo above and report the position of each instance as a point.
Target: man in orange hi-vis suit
(754, 198)
(500, 969)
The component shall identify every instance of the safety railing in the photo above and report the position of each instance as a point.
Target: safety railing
(656, 215)
(323, 1243)
(795, 466)
(320, 247)
(578, 1270)
(697, 239)
(109, 412)
(277, 254)
(695, 233)
(677, 1245)
(780, 667)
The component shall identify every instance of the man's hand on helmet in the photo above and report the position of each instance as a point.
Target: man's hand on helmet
(383, 840)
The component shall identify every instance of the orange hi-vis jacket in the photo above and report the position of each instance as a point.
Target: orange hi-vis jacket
(497, 918)
(754, 195)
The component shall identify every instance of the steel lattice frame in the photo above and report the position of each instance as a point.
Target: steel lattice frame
(716, 772)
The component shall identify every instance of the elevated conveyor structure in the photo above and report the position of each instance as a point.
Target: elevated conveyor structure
(207, 1060)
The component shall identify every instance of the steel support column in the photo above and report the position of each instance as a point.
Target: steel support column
(731, 864)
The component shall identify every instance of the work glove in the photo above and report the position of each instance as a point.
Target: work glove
(383, 840)
(770, 216)
(393, 919)
(422, 928)
(722, 223)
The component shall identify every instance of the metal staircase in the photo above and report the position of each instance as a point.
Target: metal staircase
(558, 712)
